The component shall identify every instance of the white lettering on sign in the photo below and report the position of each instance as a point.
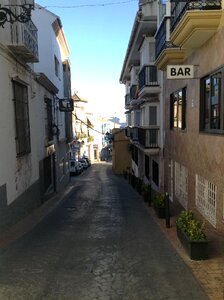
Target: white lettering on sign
(180, 71)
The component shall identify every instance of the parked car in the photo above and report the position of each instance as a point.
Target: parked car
(75, 167)
(79, 167)
(84, 163)
(88, 161)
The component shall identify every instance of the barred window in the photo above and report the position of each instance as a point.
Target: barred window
(206, 198)
(21, 118)
(178, 109)
(49, 119)
(56, 67)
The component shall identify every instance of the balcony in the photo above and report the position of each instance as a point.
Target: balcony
(166, 52)
(24, 41)
(146, 139)
(194, 22)
(134, 92)
(191, 24)
(127, 101)
(148, 84)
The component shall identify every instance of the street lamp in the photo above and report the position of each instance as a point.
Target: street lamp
(21, 12)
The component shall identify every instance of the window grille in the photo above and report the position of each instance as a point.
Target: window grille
(56, 66)
(206, 194)
(178, 109)
(181, 184)
(49, 119)
(21, 118)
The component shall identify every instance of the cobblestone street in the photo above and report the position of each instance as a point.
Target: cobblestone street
(98, 243)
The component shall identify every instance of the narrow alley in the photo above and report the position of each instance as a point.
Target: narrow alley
(98, 243)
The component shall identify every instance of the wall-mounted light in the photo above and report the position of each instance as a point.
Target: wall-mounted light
(16, 13)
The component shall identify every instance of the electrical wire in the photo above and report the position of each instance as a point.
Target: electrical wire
(87, 125)
(90, 5)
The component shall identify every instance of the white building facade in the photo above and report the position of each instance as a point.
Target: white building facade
(144, 98)
(28, 152)
(54, 63)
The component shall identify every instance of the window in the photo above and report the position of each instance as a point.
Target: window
(49, 119)
(211, 112)
(152, 115)
(206, 198)
(56, 66)
(21, 118)
(137, 118)
(178, 109)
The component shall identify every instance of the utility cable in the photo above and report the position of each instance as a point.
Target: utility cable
(87, 125)
(90, 5)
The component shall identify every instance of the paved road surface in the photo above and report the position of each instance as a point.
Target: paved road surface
(98, 244)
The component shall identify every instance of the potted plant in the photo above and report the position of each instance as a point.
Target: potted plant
(191, 234)
(146, 193)
(158, 200)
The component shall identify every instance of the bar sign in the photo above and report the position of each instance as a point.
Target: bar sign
(180, 71)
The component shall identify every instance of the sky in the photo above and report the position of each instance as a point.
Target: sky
(97, 32)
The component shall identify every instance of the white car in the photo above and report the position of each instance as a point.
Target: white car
(84, 163)
(75, 167)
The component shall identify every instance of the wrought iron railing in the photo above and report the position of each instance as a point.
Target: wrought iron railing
(134, 133)
(178, 8)
(147, 137)
(25, 35)
(148, 77)
(30, 37)
(128, 131)
(127, 99)
(161, 38)
(134, 91)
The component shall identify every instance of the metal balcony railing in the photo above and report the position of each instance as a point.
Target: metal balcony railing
(134, 133)
(24, 41)
(128, 131)
(134, 92)
(178, 8)
(147, 137)
(127, 100)
(148, 77)
(161, 38)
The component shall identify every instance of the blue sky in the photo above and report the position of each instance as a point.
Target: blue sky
(97, 36)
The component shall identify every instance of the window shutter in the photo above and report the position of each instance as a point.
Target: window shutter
(184, 108)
